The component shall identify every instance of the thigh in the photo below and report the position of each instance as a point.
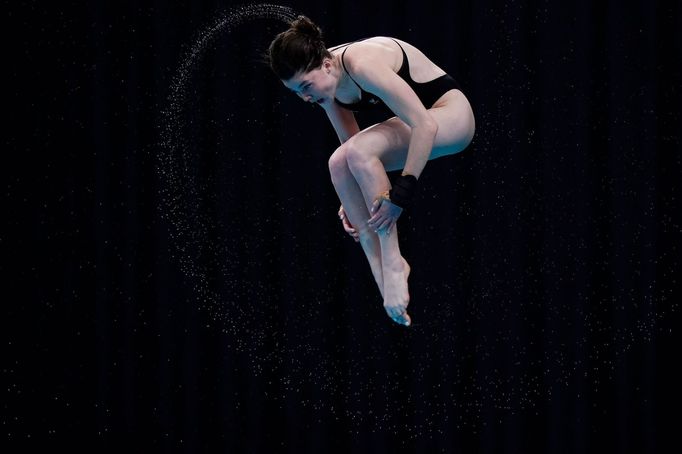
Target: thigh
(390, 139)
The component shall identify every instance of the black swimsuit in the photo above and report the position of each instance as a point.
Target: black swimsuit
(428, 92)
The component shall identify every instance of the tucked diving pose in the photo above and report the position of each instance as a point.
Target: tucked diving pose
(432, 119)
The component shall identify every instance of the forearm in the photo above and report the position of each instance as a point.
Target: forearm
(347, 134)
(421, 143)
(343, 121)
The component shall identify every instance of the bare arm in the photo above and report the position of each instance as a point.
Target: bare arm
(343, 121)
(381, 80)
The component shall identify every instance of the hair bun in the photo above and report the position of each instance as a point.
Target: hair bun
(305, 26)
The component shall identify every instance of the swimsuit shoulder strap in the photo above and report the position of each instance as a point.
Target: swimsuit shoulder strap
(343, 63)
(405, 65)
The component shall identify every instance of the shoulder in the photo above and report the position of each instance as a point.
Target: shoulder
(377, 51)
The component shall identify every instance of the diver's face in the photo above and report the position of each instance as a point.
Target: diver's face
(316, 86)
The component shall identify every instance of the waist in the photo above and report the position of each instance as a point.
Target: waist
(429, 92)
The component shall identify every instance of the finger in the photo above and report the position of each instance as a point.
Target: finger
(349, 228)
(375, 205)
(388, 229)
(376, 219)
(383, 225)
(373, 219)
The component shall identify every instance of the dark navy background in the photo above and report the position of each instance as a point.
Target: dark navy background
(238, 316)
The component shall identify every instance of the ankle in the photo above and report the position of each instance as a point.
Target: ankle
(396, 264)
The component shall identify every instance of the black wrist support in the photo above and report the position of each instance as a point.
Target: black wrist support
(403, 190)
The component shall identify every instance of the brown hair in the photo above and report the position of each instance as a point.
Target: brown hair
(298, 49)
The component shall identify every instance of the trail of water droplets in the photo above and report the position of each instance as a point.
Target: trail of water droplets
(180, 192)
(190, 227)
(189, 233)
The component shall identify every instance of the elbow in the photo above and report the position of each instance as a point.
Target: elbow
(429, 126)
(433, 125)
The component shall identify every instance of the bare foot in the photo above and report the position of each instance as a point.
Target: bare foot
(396, 295)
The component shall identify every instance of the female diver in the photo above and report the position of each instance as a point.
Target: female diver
(433, 119)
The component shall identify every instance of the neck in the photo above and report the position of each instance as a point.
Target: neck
(340, 74)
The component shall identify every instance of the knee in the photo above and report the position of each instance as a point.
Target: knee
(355, 157)
(338, 164)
